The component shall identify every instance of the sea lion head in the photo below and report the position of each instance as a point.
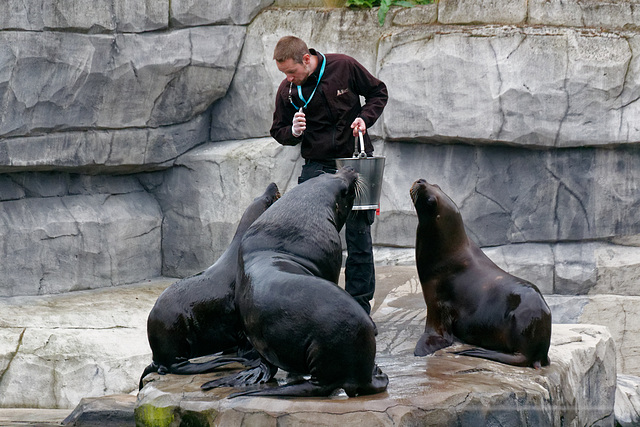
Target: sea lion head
(270, 195)
(434, 207)
(428, 199)
(344, 185)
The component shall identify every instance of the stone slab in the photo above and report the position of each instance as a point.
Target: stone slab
(532, 86)
(95, 16)
(20, 417)
(54, 81)
(107, 411)
(217, 12)
(627, 404)
(514, 194)
(71, 242)
(57, 349)
(586, 13)
(482, 12)
(103, 151)
(76, 327)
(620, 314)
(442, 389)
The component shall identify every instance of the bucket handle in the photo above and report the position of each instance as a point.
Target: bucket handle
(361, 154)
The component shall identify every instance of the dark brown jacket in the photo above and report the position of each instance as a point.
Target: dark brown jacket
(335, 105)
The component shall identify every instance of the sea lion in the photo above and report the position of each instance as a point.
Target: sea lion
(468, 297)
(292, 310)
(196, 316)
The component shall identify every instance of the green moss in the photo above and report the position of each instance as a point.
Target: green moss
(195, 419)
(385, 5)
(154, 416)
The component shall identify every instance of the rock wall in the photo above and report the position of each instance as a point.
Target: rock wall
(132, 137)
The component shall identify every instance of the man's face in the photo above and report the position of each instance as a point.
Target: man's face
(296, 73)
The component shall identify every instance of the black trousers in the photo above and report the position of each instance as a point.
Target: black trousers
(359, 274)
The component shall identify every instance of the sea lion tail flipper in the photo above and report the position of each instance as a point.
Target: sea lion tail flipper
(149, 369)
(260, 373)
(301, 389)
(188, 367)
(430, 342)
(515, 359)
(378, 384)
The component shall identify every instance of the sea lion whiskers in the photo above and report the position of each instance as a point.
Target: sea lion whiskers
(415, 188)
(361, 186)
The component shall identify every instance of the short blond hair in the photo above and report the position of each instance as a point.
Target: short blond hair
(290, 47)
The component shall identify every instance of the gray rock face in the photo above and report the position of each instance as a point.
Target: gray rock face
(511, 195)
(484, 12)
(112, 151)
(85, 15)
(215, 182)
(620, 314)
(108, 411)
(75, 233)
(216, 12)
(57, 349)
(586, 13)
(627, 404)
(64, 81)
(111, 103)
(531, 86)
(498, 209)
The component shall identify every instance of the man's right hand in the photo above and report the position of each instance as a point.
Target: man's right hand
(299, 124)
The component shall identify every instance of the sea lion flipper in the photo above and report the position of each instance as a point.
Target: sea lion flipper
(261, 373)
(188, 367)
(299, 389)
(515, 359)
(430, 342)
(311, 388)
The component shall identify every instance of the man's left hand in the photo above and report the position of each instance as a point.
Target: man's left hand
(358, 125)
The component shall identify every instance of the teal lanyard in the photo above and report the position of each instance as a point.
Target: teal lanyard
(306, 101)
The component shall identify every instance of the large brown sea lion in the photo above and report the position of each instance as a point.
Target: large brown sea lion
(468, 297)
(292, 310)
(196, 316)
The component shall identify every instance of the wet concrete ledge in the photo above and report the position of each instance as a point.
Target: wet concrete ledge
(444, 389)
(577, 389)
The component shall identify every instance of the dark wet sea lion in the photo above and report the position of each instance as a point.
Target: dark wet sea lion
(468, 297)
(293, 312)
(196, 316)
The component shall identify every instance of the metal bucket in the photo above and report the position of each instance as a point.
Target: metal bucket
(370, 170)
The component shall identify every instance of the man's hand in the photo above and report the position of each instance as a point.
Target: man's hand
(358, 125)
(299, 124)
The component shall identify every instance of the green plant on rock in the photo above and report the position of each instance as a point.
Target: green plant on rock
(385, 5)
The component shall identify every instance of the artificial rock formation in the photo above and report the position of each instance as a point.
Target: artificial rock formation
(471, 94)
(131, 135)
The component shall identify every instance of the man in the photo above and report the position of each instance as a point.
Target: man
(318, 106)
